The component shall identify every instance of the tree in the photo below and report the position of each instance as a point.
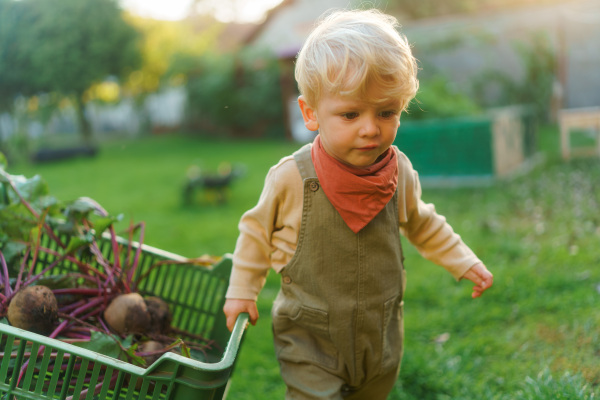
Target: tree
(163, 42)
(237, 94)
(15, 65)
(66, 46)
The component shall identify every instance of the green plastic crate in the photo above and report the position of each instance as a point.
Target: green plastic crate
(195, 295)
(448, 147)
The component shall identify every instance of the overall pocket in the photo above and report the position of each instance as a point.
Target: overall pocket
(303, 335)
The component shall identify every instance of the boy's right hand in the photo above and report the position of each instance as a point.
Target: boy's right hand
(234, 307)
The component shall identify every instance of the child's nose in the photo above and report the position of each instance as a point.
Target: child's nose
(369, 127)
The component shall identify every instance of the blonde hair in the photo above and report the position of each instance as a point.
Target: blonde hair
(349, 50)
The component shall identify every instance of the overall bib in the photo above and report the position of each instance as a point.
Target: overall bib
(337, 319)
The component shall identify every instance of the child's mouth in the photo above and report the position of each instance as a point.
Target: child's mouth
(367, 148)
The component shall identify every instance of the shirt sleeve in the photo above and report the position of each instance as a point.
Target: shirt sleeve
(265, 230)
(425, 229)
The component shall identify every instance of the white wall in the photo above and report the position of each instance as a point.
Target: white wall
(162, 110)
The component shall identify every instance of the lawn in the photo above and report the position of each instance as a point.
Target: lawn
(534, 335)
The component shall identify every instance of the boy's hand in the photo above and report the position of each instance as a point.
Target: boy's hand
(234, 307)
(482, 278)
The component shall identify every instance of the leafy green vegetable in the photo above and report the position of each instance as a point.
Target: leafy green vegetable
(185, 350)
(103, 343)
(77, 242)
(27, 204)
(131, 356)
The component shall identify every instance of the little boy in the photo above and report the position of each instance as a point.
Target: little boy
(329, 218)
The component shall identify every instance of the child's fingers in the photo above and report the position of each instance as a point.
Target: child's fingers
(233, 310)
(484, 284)
(231, 322)
(487, 281)
(477, 291)
(481, 277)
(253, 313)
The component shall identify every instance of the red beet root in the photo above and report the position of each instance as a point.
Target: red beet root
(128, 313)
(34, 308)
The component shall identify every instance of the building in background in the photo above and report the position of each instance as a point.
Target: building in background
(463, 47)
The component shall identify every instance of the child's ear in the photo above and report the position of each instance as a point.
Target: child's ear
(309, 114)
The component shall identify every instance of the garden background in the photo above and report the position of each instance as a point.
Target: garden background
(533, 336)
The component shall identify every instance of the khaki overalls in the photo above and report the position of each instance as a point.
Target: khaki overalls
(337, 320)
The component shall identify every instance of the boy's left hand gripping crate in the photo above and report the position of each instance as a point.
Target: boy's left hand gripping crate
(195, 295)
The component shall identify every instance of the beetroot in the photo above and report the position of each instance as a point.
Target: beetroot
(160, 316)
(34, 308)
(128, 313)
(151, 350)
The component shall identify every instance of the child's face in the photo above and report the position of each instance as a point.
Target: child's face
(352, 130)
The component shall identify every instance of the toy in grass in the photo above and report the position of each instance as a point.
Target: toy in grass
(70, 294)
(208, 182)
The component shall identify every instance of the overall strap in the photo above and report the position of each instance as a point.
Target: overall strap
(304, 161)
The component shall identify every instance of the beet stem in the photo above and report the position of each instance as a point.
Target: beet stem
(92, 303)
(83, 319)
(101, 321)
(84, 291)
(72, 306)
(138, 251)
(90, 278)
(36, 249)
(102, 261)
(115, 249)
(72, 259)
(22, 269)
(79, 337)
(48, 268)
(6, 283)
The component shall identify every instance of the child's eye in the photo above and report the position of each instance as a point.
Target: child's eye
(387, 114)
(350, 115)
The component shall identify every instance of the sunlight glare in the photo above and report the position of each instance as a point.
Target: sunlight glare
(226, 11)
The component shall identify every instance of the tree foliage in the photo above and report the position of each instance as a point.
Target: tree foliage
(438, 98)
(533, 87)
(15, 64)
(236, 94)
(163, 42)
(63, 46)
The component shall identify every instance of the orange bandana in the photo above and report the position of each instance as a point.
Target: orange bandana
(358, 194)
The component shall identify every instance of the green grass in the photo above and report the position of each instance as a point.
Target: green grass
(534, 335)
(143, 180)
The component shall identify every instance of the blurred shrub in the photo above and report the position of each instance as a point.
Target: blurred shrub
(535, 86)
(234, 94)
(438, 98)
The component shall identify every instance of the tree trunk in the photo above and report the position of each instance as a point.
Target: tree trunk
(84, 125)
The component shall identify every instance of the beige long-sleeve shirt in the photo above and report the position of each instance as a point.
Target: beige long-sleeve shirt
(269, 231)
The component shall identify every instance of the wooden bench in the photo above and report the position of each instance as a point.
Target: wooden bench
(579, 118)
